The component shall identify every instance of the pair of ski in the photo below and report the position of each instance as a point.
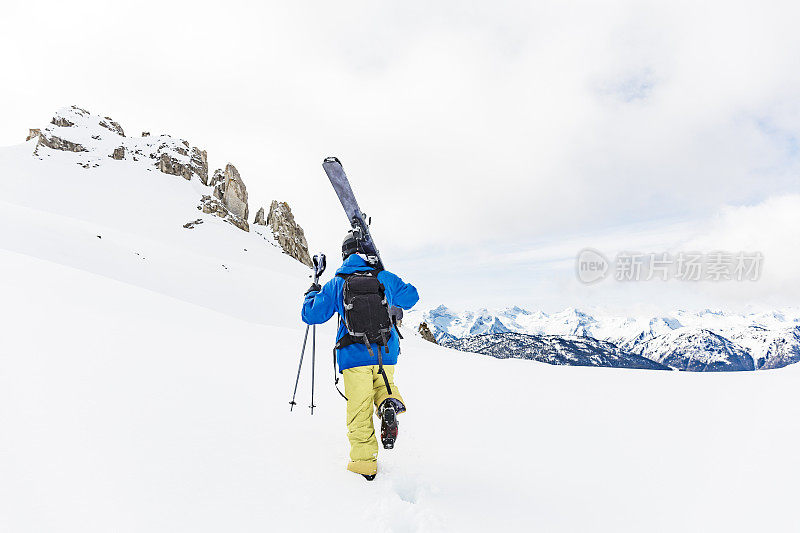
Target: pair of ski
(357, 219)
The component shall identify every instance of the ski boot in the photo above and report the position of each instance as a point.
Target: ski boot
(369, 477)
(388, 412)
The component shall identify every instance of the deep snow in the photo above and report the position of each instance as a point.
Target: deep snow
(150, 393)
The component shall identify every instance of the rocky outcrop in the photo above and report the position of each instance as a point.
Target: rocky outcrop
(173, 158)
(73, 129)
(213, 206)
(62, 121)
(170, 165)
(260, 220)
(58, 137)
(229, 200)
(48, 140)
(230, 188)
(193, 223)
(109, 124)
(234, 195)
(218, 182)
(199, 164)
(33, 133)
(95, 139)
(287, 232)
(426, 333)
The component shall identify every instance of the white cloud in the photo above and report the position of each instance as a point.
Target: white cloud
(542, 274)
(458, 122)
(771, 227)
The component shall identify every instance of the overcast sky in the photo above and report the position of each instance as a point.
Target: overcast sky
(489, 141)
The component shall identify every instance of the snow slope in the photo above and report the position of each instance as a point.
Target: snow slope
(150, 393)
(55, 209)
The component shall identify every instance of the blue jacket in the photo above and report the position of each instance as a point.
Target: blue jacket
(318, 307)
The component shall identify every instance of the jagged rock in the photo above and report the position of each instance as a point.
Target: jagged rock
(172, 157)
(260, 220)
(425, 333)
(33, 133)
(234, 194)
(193, 223)
(49, 140)
(77, 130)
(170, 165)
(218, 182)
(213, 206)
(61, 121)
(55, 138)
(74, 129)
(69, 116)
(287, 232)
(98, 138)
(199, 164)
(109, 124)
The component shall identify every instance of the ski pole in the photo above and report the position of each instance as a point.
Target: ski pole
(297, 379)
(313, 363)
(319, 268)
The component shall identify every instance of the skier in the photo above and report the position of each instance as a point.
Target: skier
(366, 380)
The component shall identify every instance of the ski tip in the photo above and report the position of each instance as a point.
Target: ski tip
(332, 159)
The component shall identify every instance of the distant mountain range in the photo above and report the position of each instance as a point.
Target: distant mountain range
(703, 341)
(553, 349)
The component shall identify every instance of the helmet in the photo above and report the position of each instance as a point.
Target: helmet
(352, 243)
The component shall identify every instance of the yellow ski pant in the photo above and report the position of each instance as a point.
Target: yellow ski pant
(364, 387)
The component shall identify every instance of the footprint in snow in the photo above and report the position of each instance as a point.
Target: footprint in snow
(407, 488)
(401, 504)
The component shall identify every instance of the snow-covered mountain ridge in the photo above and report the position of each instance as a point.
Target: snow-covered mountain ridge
(142, 218)
(684, 340)
(553, 349)
(91, 141)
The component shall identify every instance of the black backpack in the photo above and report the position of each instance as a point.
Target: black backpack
(366, 315)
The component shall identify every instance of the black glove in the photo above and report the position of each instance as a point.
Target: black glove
(315, 287)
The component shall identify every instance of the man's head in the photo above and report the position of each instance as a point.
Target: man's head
(352, 244)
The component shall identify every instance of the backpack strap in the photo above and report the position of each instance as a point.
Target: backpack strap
(348, 340)
(381, 371)
(335, 373)
(345, 341)
(394, 323)
(374, 272)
